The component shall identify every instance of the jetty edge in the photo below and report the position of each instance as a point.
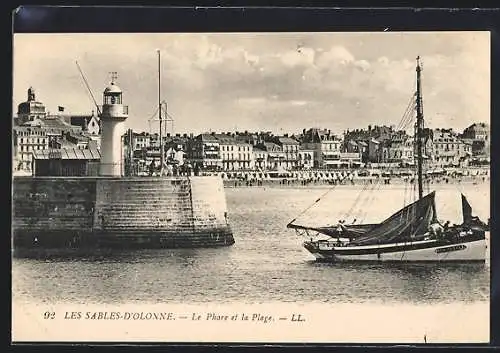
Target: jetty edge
(111, 212)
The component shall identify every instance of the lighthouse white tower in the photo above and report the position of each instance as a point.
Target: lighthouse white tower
(113, 117)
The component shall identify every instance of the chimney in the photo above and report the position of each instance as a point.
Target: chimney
(177, 135)
(303, 131)
(168, 134)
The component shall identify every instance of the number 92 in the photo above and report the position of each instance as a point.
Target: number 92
(49, 315)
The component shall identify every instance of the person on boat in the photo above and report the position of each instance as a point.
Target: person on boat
(436, 230)
(340, 227)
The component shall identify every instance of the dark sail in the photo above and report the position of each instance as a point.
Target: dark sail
(402, 225)
(469, 220)
(466, 209)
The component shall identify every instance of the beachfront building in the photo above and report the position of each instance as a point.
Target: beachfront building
(326, 147)
(306, 159)
(260, 157)
(290, 149)
(203, 151)
(275, 155)
(380, 145)
(399, 150)
(478, 135)
(444, 148)
(235, 154)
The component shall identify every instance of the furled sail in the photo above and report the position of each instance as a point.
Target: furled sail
(350, 231)
(402, 225)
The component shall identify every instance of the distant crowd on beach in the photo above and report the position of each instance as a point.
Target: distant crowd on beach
(476, 176)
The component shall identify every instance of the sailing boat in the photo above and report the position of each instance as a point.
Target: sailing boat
(411, 234)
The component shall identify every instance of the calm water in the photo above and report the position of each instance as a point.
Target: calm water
(266, 264)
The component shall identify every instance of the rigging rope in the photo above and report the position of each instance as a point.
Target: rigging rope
(355, 202)
(356, 214)
(407, 114)
(404, 199)
(314, 203)
(369, 202)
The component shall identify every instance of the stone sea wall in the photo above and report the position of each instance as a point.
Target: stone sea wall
(53, 204)
(120, 212)
(126, 205)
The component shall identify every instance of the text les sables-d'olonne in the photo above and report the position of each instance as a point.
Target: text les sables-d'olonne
(169, 316)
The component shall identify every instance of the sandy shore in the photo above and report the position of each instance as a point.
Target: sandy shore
(355, 183)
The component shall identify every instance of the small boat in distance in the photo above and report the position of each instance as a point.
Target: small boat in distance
(413, 233)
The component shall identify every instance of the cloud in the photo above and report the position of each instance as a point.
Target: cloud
(260, 81)
(362, 65)
(337, 55)
(302, 56)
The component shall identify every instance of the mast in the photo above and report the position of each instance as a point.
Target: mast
(419, 127)
(159, 115)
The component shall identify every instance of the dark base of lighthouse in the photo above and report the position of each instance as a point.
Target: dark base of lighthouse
(144, 239)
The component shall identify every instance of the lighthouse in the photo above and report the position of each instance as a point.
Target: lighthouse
(113, 117)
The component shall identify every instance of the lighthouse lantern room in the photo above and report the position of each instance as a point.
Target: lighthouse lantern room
(113, 117)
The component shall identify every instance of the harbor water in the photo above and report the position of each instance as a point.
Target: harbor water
(267, 263)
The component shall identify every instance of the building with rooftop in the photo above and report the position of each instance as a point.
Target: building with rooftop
(290, 149)
(66, 162)
(326, 147)
(260, 157)
(203, 151)
(478, 136)
(235, 154)
(27, 140)
(444, 147)
(30, 110)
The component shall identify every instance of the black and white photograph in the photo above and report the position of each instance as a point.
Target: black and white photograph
(300, 187)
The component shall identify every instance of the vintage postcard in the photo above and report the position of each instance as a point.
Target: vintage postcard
(251, 187)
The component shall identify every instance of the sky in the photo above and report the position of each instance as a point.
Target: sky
(279, 82)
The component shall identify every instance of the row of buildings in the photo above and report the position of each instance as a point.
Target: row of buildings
(378, 146)
(36, 131)
(38, 135)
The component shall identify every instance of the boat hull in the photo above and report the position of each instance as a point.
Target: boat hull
(422, 251)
